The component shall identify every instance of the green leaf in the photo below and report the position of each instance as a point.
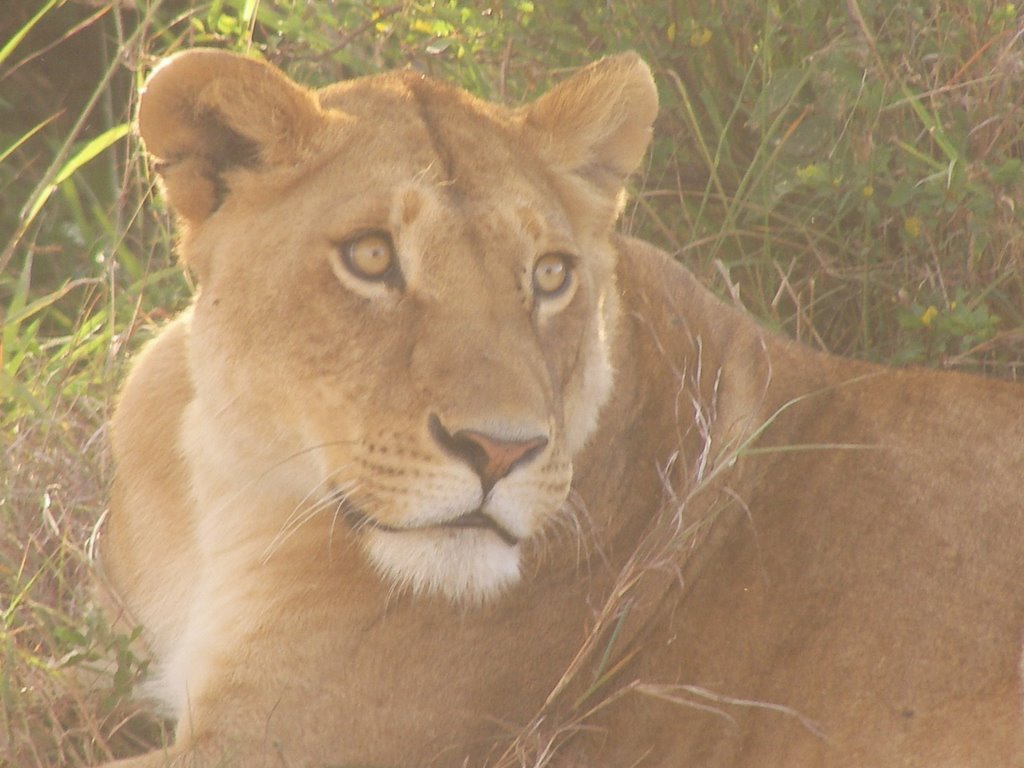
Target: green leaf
(901, 194)
(1007, 173)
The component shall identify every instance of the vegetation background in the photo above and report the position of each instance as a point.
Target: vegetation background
(848, 172)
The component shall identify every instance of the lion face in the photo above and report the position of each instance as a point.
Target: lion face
(405, 323)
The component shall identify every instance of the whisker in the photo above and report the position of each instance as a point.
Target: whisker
(267, 473)
(300, 507)
(578, 522)
(337, 501)
(302, 513)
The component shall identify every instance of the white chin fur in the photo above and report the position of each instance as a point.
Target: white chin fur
(466, 565)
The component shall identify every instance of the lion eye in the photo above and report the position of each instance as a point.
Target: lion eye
(552, 274)
(370, 256)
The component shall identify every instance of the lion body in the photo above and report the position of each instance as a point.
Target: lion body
(452, 515)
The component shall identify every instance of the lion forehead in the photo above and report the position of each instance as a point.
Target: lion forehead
(428, 130)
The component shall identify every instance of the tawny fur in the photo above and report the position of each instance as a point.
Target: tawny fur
(733, 551)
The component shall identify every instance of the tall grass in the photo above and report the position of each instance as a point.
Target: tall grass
(850, 173)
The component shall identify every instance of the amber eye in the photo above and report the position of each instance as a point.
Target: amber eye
(552, 274)
(370, 256)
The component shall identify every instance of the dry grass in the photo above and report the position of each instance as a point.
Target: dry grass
(64, 674)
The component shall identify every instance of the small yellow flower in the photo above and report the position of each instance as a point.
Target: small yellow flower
(928, 315)
(811, 172)
(700, 37)
(912, 226)
(867, 192)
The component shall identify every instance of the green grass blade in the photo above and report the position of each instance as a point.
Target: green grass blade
(18, 36)
(933, 125)
(93, 148)
(19, 299)
(11, 149)
(102, 142)
(21, 314)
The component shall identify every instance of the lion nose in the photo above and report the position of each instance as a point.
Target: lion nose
(492, 458)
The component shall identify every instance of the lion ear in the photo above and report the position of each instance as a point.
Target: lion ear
(205, 111)
(598, 123)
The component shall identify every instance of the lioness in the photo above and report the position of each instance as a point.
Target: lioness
(439, 471)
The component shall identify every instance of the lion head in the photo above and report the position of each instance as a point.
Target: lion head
(406, 299)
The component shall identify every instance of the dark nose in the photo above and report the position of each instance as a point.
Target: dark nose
(492, 458)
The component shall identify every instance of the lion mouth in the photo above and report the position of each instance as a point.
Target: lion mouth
(358, 520)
